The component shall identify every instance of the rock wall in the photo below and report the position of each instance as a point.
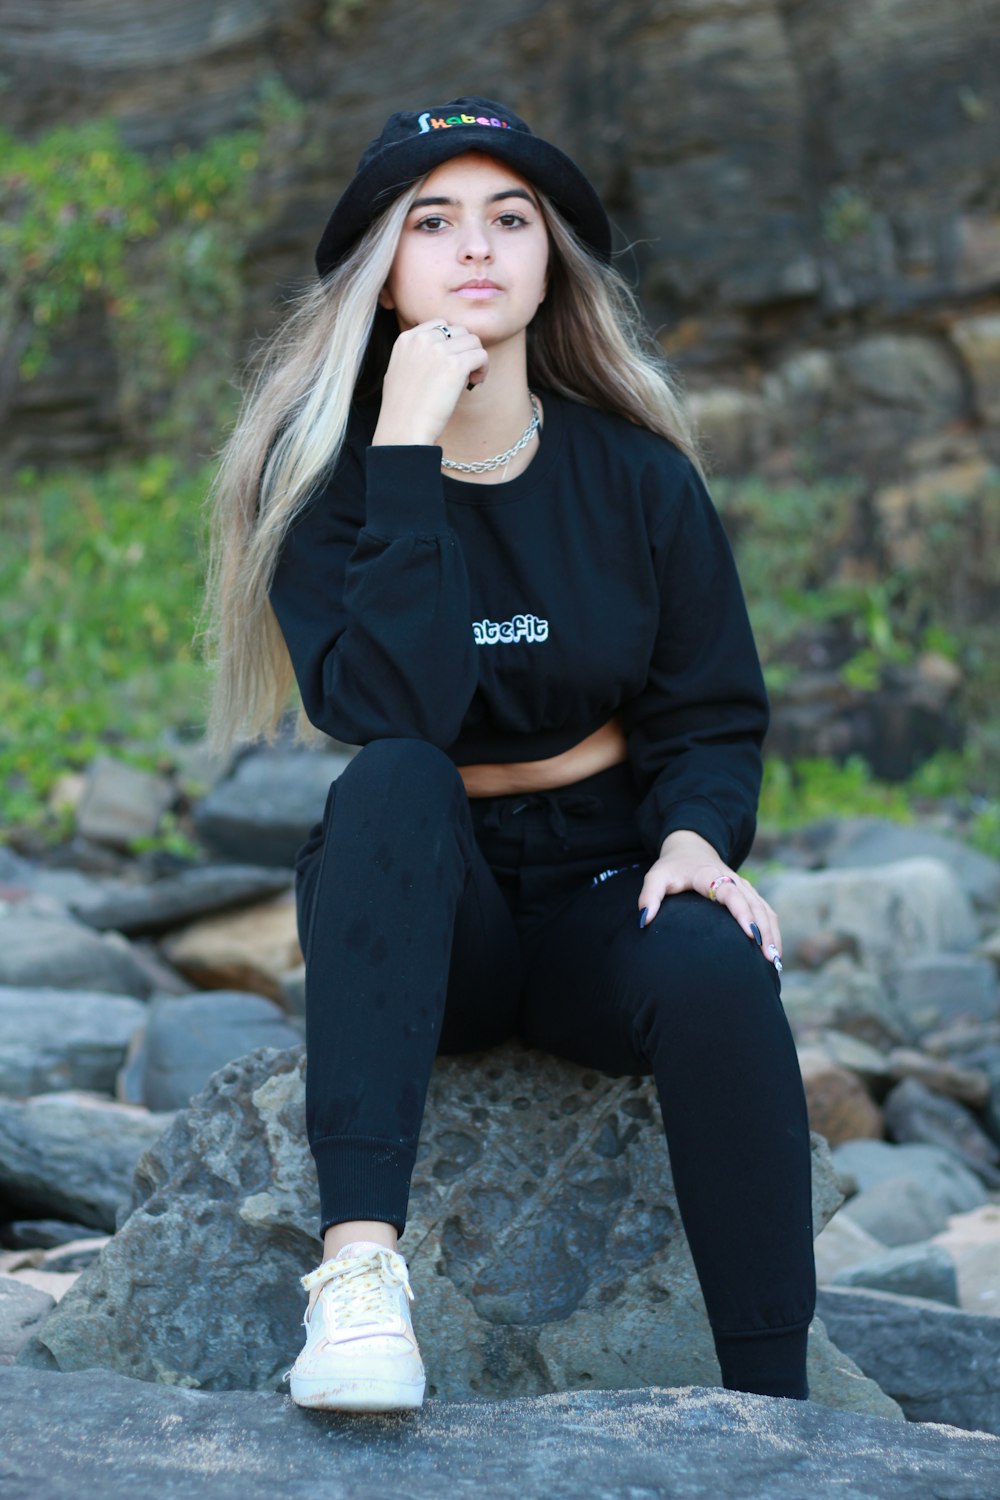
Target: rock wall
(809, 190)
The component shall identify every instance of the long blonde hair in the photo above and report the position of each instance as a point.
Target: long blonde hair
(588, 341)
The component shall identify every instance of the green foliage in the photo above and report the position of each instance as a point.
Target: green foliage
(847, 215)
(157, 243)
(100, 588)
(811, 790)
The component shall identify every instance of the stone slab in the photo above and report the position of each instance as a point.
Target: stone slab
(102, 1436)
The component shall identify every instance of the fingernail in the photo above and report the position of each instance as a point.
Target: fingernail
(756, 932)
(471, 386)
(772, 954)
(778, 965)
(643, 915)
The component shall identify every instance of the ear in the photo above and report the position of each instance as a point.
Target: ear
(385, 299)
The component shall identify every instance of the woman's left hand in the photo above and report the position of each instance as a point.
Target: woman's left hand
(688, 862)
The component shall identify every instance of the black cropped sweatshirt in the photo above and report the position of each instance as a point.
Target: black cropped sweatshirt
(507, 622)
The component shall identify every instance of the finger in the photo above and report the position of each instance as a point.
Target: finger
(655, 886)
(752, 913)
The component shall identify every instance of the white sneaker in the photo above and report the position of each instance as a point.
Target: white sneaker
(360, 1353)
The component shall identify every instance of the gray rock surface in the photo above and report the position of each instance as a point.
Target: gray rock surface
(915, 1114)
(891, 912)
(898, 1211)
(72, 1156)
(23, 1309)
(141, 910)
(870, 1162)
(63, 955)
(121, 803)
(940, 989)
(63, 1039)
(264, 810)
(863, 842)
(45, 1234)
(543, 1241)
(189, 1038)
(100, 1436)
(940, 1364)
(845, 997)
(921, 1270)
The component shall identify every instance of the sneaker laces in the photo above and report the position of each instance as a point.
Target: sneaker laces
(358, 1285)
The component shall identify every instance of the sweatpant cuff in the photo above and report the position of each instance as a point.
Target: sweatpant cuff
(362, 1178)
(766, 1362)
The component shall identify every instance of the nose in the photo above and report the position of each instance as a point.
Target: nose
(475, 243)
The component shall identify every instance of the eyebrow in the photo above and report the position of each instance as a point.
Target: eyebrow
(493, 198)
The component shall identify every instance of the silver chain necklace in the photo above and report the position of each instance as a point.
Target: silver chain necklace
(487, 465)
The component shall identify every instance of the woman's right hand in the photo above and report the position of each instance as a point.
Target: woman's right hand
(426, 375)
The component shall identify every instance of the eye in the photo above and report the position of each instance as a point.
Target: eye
(510, 219)
(430, 222)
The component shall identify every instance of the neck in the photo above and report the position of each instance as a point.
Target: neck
(492, 416)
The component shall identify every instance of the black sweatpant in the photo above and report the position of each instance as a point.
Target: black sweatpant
(435, 923)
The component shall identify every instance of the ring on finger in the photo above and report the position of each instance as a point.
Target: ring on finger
(443, 328)
(713, 888)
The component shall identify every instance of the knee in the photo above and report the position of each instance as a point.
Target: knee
(701, 965)
(385, 769)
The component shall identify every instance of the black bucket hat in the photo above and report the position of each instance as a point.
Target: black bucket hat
(412, 144)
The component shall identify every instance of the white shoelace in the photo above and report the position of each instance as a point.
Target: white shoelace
(358, 1286)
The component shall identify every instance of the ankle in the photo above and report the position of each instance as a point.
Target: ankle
(372, 1230)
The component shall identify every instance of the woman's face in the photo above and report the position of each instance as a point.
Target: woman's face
(474, 250)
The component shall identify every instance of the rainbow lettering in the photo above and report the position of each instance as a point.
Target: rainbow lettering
(429, 122)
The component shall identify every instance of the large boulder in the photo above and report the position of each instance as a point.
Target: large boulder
(100, 1436)
(141, 910)
(889, 912)
(940, 1364)
(71, 1156)
(543, 1240)
(59, 954)
(63, 1039)
(264, 810)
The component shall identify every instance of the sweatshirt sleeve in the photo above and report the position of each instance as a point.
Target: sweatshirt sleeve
(695, 730)
(372, 597)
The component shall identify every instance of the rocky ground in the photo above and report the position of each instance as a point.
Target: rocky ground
(129, 987)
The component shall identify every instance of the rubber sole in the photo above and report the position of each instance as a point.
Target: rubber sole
(356, 1395)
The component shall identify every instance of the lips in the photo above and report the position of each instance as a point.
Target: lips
(478, 286)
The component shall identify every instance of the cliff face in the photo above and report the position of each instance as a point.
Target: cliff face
(811, 190)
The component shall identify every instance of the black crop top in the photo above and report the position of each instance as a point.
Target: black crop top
(507, 622)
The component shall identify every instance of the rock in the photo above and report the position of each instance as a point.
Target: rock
(860, 843)
(63, 1039)
(967, 1085)
(978, 341)
(894, 912)
(841, 1244)
(246, 950)
(23, 1309)
(842, 997)
(913, 1113)
(972, 1241)
(78, 1255)
(920, 1270)
(990, 948)
(54, 1284)
(72, 1155)
(74, 1437)
(121, 803)
(858, 1056)
(916, 374)
(732, 425)
(48, 953)
(186, 1040)
(263, 812)
(44, 1234)
(839, 1106)
(142, 910)
(939, 989)
(940, 1364)
(899, 1211)
(525, 1162)
(955, 1188)
(293, 993)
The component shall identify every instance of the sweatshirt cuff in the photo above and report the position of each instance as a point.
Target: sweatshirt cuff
(698, 816)
(404, 492)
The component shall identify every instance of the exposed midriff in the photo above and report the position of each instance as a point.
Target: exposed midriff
(605, 747)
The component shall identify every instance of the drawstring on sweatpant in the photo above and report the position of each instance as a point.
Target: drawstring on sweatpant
(556, 806)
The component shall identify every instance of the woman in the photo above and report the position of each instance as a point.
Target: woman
(463, 506)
